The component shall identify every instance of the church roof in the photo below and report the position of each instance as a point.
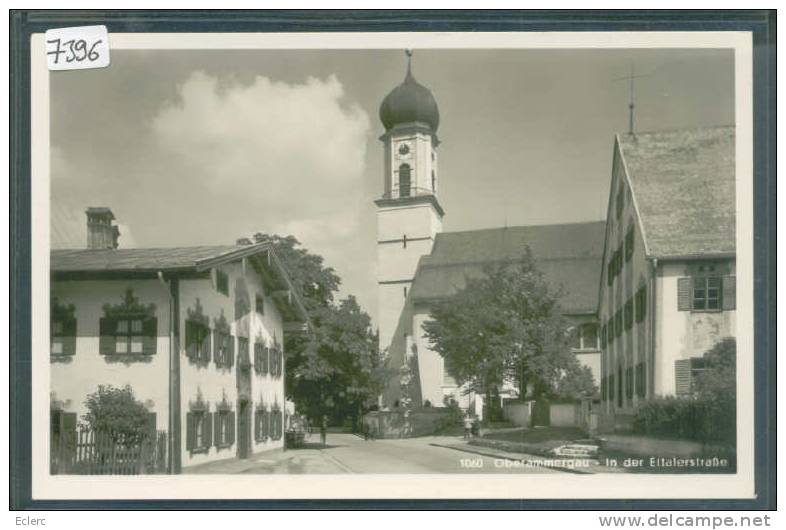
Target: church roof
(569, 255)
(683, 183)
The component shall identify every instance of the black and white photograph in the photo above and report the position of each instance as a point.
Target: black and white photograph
(394, 265)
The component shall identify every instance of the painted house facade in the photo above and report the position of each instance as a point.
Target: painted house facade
(668, 286)
(196, 332)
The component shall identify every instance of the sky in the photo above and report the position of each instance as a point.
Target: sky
(202, 147)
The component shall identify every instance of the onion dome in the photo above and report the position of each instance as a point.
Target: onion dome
(408, 103)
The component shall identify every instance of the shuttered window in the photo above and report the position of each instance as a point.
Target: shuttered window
(135, 335)
(262, 424)
(276, 424)
(729, 293)
(197, 341)
(641, 303)
(618, 323)
(199, 431)
(63, 340)
(223, 349)
(222, 282)
(707, 293)
(260, 358)
(224, 428)
(682, 377)
(629, 244)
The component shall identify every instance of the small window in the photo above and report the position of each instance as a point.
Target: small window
(222, 282)
(259, 304)
(197, 341)
(620, 201)
(129, 337)
(261, 423)
(686, 371)
(641, 303)
(707, 294)
(224, 428)
(586, 337)
(223, 349)
(404, 180)
(433, 181)
(260, 358)
(405, 291)
(199, 431)
(63, 339)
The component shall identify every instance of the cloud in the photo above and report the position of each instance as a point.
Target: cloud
(267, 137)
(277, 157)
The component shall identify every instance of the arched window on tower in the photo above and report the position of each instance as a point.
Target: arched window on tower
(404, 180)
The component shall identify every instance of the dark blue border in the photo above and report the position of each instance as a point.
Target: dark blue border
(761, 23)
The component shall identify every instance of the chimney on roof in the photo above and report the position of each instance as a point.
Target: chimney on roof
(101, 233)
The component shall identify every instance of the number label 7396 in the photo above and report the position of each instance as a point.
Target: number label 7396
(77, 48)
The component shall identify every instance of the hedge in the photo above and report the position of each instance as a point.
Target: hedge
(701, 419)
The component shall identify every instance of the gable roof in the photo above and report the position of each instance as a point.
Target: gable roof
(138, 259)
(569, 255)
(683, 183)
(149, 261)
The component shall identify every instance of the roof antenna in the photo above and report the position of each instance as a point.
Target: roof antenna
(631, 104)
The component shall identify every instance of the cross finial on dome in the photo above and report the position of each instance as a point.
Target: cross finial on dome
(409, 61)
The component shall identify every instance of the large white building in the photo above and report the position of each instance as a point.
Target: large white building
(418, 264)
(668, 289)
(196, 332)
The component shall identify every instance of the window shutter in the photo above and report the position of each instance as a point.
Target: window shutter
(150, 331)
(682, 376)
(256, 426)
(69, 336)
(190, 431)
(191, 337)
(683, 294)
(106, 331)
(206, 346)
(208, 428)
(217, 347)
(231, 427)
(231, 360)
(729, 292)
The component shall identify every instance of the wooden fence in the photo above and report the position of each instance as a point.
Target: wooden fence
(85, 451)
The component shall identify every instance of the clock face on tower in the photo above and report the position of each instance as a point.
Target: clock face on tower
(403, 149)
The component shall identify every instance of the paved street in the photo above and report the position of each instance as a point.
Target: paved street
(347, 453)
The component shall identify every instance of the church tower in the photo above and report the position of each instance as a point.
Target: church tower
(408, 214)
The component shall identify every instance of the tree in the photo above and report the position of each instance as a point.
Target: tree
(335, 369)
(315, 283)
(716, 389)
(506, 326)
(117, 412)
(339, 371)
